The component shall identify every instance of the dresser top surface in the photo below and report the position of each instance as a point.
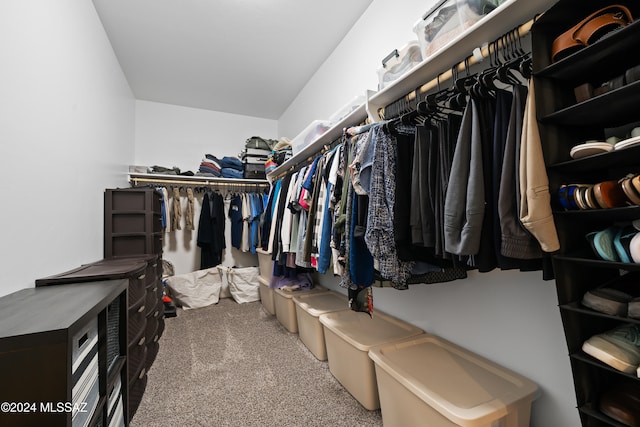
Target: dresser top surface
(59, 307)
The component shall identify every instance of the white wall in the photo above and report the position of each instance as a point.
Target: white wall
(170, 135)
(352, 67)
(509, 317)
(66, 130)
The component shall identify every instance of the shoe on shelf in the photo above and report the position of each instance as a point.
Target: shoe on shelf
(615, 296)
(618, 347)
(622, 403)
(602, 243)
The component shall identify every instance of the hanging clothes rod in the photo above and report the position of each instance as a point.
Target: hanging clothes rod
(197, 182)
(523, 30)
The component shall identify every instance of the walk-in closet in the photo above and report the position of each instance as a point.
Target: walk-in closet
(297, 213)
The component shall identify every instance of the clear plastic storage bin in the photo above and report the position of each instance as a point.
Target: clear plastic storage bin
(311, 133)
(447, 20)
(426, 380)
(398, 63)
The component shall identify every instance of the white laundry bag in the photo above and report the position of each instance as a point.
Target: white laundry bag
(197, 289)
(224, 291)
(243, 284)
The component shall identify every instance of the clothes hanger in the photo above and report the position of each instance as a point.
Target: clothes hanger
(506, 72)
(484, 86)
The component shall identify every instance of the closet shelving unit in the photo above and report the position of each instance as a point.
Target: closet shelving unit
(565, 123)
(503, 19)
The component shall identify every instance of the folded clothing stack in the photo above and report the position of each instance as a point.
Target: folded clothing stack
(231, 167)
(210, 165)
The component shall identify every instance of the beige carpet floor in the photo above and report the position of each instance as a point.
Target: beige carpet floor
(235, 365)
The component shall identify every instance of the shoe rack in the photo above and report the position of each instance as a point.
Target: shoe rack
(564, 122)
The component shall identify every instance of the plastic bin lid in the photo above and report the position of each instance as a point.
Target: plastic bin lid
(462, 386)
(364, 332)
(291, 294)
(318, 304)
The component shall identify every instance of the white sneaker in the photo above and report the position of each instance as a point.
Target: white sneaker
(618, 348)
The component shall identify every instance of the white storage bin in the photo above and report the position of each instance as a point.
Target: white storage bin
(349, 335)
(266, 296)
(309, 308)
(398, 63)
(347, 109)
(426, 380)
(312, 132)
(286, 308)
(447, 20)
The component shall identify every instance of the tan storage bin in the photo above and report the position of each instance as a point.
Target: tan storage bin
(266, 296)
(308, 310)
(426, 380)
(286, 308)
(265, 263)
(349, 335)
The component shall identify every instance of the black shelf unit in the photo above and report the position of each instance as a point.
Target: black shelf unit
(145, 311)
(132, 222)
(564, 123)
(64, 346)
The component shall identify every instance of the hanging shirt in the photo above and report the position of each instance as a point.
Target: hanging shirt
(324, 257)
(176, 210)
(235, 217)
(257, 210)
(380, 218)
(211, 228)
(190, 210)
(163, 208)
(246, 220)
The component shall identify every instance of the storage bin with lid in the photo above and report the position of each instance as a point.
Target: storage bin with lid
(447, 20)
(309, 308)
(265, 263)
(398, 63)
(349, 335)
(285, 308)
(266, 296)
(312, 132)
(426, 380)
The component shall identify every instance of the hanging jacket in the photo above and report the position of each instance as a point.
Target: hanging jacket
(211, 240)
(535, 201)
(464, 201)
(516, 240)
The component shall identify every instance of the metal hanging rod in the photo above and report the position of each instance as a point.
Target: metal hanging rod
(197, 182)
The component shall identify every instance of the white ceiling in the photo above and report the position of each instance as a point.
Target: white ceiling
(249, 57)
